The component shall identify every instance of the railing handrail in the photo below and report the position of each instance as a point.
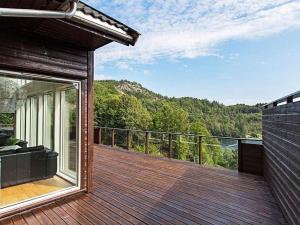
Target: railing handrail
(183, 134)
(168, 149)
(288, 99)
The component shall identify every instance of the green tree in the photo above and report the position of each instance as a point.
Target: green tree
(169, 117)
(133, 114)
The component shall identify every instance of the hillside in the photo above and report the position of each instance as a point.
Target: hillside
(127, 104)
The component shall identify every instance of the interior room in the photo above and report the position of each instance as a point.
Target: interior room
(39, 133)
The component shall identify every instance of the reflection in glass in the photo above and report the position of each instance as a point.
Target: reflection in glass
(69, 113)
(49, 120)
(38, 137)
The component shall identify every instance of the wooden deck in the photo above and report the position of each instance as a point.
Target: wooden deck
(137, 189)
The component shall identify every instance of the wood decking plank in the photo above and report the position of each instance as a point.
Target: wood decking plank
(30, 219)
(47, 210)
(83, 211)
(187, 201)
(6, 221)
(132, 188)
(193, 208)
(18, 220)
(191, 186)
(133, 210)
(80, 218)
(40, 216)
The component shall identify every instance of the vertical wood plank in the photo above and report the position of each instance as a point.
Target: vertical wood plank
(112, 137)
(147, 142)
(100, 136)
(170, 146)
(240, 156)
(128, 146)
(289, 99)
(200, 149)
(90, 113)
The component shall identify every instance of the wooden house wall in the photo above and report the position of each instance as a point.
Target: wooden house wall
(281, 139)
(27, 52)
(33, 53)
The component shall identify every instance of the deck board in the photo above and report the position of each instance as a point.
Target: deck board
(132, 188)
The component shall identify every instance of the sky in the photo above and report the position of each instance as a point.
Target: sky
(231, 51)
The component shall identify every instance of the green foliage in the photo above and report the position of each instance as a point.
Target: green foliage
(7, 118)
(12, 141)
(124, 104)
(127, 104)
(198, 127)
(182, 149)
(133, 114)
(168, 117)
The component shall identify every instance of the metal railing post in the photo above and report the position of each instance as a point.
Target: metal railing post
(128, 139)
(100, 136)
(170, 146)
(112, 140)
(200, 149)
(146, 142)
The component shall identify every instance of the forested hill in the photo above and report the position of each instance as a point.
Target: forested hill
(125, 104)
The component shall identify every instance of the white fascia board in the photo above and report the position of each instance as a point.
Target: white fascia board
(96, 23)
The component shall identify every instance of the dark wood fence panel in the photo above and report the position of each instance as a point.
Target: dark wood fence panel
(281, 140)
(251, 158)
(36, 54)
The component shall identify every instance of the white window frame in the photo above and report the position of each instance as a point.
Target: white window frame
(25, 131)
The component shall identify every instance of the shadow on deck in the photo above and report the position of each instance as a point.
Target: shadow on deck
(134, 188)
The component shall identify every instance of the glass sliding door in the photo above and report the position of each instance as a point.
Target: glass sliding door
(69, 104)
(40, 134)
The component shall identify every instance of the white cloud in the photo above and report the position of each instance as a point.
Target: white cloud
(123, 65)
(191, 28)
(103, 77)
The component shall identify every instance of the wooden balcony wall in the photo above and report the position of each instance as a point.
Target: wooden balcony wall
(251, 158)
(281, 140)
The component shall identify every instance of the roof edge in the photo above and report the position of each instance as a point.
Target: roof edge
(100, 21)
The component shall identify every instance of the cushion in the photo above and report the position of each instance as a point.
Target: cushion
(7, 152)
(3, 139)
(30, 149)
(52, 154)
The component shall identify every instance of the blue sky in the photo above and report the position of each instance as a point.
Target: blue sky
(234, 52)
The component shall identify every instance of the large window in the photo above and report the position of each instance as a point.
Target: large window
(39, 137)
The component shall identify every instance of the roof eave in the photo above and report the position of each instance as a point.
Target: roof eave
(99, 21)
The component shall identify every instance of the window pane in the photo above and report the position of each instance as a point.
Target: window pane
(35, 116)
(33, 119)
(49, 120)
(69, 114)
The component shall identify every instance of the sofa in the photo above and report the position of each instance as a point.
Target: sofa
(24, 165)
(3, 138)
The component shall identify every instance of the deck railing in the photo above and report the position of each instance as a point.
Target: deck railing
(294, 97)
(211, 150)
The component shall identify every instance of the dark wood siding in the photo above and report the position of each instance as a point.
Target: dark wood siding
(252, 158)
(37, 54)
(90, 121)
(281, 139)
